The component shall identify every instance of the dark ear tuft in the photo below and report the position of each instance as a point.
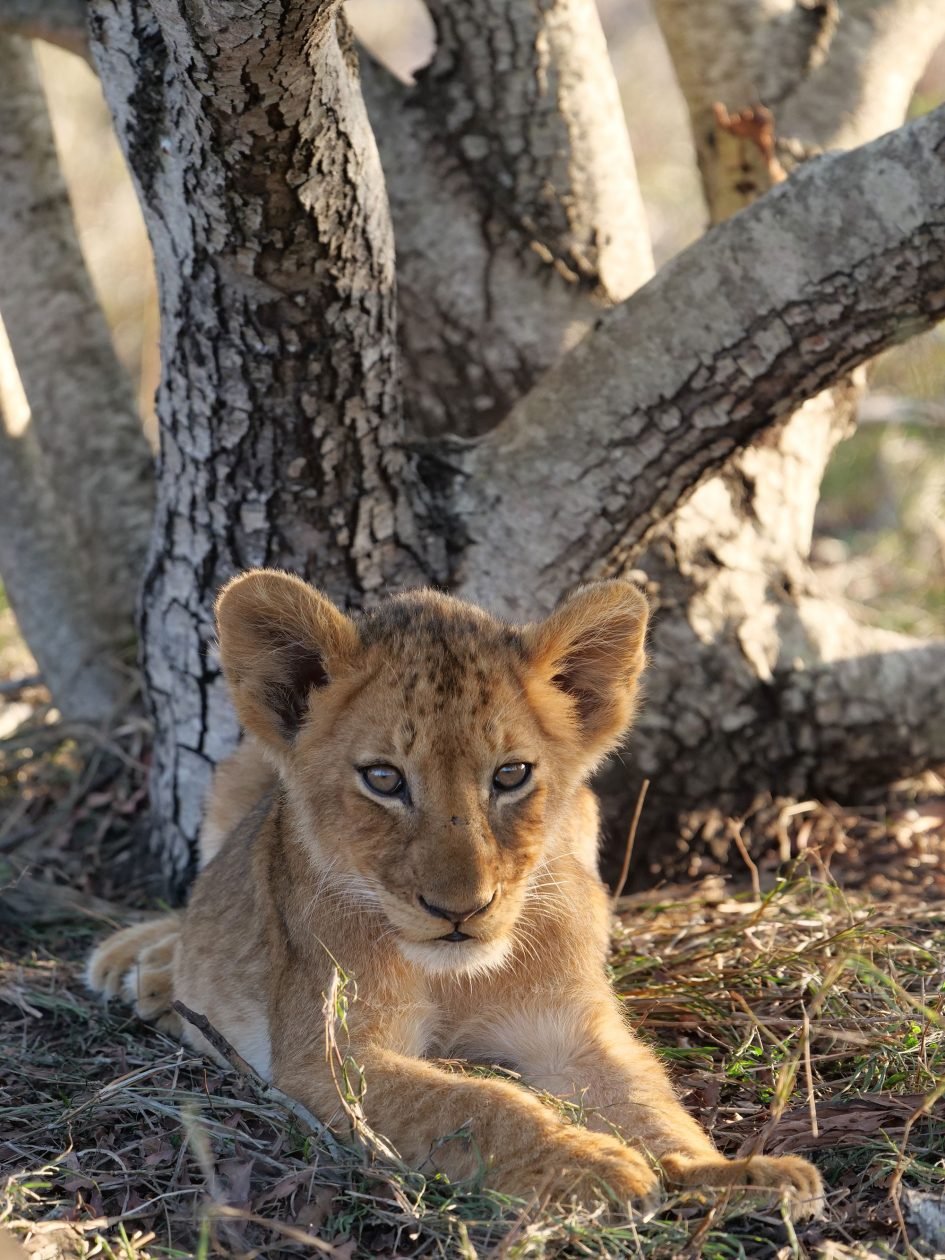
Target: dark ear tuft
(288, 696)
(280, 639)
(591, 648)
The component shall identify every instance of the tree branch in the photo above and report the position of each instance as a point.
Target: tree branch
(84, 416)
(55, 606)
(841, 707)
(514, 200)
(833, 75)
(525, 98)
(59, 22)
(820, 274)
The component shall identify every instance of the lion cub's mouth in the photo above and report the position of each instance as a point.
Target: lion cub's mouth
(457, 953)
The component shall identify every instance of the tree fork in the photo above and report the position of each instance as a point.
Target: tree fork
(726, 340)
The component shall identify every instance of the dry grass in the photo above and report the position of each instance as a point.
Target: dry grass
(807, 1019)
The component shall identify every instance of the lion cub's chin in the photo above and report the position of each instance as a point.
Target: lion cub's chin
(463, 958)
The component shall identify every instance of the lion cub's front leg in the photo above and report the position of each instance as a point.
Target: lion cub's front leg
(137, 963)
(445, 1122)
(440, 1121)
(585, 1053)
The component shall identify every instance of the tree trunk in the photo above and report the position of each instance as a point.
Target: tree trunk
(279, 407)
(50, 596)
(84, 459)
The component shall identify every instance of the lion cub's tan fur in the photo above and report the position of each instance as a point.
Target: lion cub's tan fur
(306, 868)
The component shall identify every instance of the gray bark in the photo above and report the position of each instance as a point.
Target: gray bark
(279, 408)
(737, 600)
(500, 270)
(514, 199)
(85, 429)
(829, 268)
(48, 592)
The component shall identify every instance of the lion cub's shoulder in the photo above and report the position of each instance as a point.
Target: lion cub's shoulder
(240, 783)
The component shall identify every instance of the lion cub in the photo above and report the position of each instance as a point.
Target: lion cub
(410, 806)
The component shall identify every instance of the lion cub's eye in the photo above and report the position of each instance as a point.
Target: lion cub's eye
(384, 780)
(512, 775)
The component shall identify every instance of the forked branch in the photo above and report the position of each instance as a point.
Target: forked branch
(833, 75)
(515, 202)
(842, 260)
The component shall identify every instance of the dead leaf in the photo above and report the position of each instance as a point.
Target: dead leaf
(237, 1174)
(315, 1213)
(840, 1123)
(285, 1187)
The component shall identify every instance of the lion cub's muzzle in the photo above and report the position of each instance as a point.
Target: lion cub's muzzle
(457, 917)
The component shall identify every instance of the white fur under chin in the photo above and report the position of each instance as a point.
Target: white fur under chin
(460, 958)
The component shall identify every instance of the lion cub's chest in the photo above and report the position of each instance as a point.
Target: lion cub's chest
(457, 1021)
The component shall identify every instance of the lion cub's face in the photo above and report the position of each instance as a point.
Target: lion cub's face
(428, 750)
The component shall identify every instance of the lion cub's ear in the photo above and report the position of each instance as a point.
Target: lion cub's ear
(279, 639)
(591, 648)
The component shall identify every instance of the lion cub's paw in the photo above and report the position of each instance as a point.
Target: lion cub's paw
(789, 1175)
(137, 963)
(597, 1167)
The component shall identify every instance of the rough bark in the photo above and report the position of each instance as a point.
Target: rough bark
(279, 409)
(85, 421)
(738, 605)
(53, 602)
(834, 75)
(729, 337)
(866, 714)
(495, 279)
(756, 683)
(498, 274)
(514, 199)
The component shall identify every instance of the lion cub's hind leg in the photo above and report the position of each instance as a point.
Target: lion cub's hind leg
(137, 964)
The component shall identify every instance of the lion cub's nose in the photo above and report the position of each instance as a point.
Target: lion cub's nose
(454, 916)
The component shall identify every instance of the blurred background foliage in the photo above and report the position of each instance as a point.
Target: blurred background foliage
(880, 530)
